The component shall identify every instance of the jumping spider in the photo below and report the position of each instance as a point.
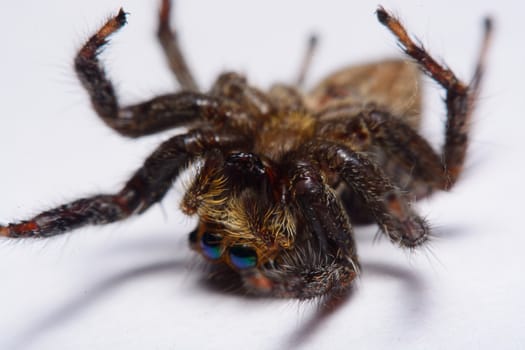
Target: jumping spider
(282, 174)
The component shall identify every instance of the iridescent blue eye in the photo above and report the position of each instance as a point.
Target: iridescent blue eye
(243, 257)
(211, 245)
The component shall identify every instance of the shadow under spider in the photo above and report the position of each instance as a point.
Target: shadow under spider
(217, 279)
(214, 279)
(72, 307)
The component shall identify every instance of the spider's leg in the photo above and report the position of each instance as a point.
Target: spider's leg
(328, 264)
(307, 60)
(169, 111)
(234, 87)
(386, 203)
(307, 277)
(168, 40)
(319, 205)
(410, 161)
(460, 98)
(147, 186)
(406, 157)
(145, 118)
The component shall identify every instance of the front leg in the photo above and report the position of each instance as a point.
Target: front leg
(389, 207)
(326, 262)
(147, 186)
(145, 118)
(460, 97)
(321, 210)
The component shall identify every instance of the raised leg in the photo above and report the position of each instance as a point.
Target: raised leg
(169, 111)
(389, 207)
(307, 61)
(158, 114)
(460, 98)
(147, 186)
(234, 87)
(168, 40)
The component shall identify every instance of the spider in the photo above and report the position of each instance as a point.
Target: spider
(282, 174)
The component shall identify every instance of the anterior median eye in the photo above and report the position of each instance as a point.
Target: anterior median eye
(211, 245)
(243, 257)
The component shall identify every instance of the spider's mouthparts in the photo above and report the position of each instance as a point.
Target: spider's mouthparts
(261, 283)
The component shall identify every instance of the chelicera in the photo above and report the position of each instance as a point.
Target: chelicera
(282, 174)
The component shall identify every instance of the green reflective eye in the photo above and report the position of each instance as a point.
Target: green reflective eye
(243, 257)
(211, 245)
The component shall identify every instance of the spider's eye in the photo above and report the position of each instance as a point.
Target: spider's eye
(211, 245)
(243, 257)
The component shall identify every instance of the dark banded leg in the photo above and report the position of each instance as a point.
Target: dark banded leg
(168, 40)
(147, 186)
(460, 98)
(386, 203)
(406, 157)
(410, 161)
(145, 118)
(314, 269)
(322, 210)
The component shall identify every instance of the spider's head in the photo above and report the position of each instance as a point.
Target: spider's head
(246, 232)
(241, 222)
(245, 224)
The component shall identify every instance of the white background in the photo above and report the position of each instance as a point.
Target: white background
(136, 285)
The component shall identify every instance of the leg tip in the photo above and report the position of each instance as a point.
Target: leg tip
(416, 233)
(488, 24)
(121, 17)
(382, 15)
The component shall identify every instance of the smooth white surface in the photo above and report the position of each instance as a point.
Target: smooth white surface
(136, 285)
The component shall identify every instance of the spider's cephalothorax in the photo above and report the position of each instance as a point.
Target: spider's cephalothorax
(281, 174)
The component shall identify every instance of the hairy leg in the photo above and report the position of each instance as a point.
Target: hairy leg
(145, 118)
(325, 263)
(168, 40)
(146, 187)
(387, 204)
(460, 98)
(306, 279)
(321, 209)
(406, 157)
(409, 160)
